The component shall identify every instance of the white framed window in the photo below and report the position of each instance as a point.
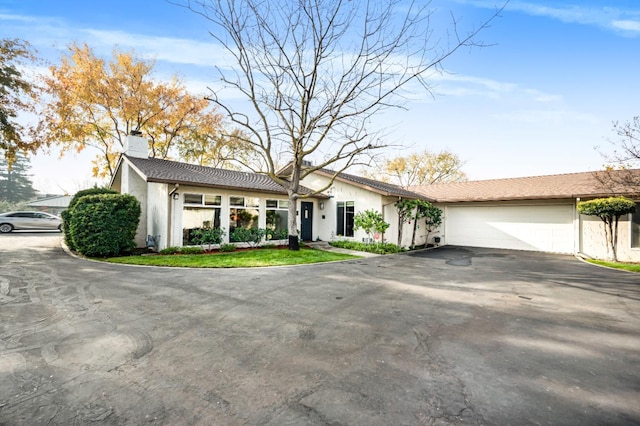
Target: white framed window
(634, 224)
(345, 213)
(199, 211)
(243, 212)
(278, 218)
(202, 200)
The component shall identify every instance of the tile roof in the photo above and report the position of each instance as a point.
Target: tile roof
(382, 188)
(166, 171)
(571, 185)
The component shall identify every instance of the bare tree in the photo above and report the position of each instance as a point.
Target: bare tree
(316, 73)
(621, 175)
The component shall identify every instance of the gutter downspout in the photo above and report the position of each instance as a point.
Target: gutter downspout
(171, 215)
(577, 249)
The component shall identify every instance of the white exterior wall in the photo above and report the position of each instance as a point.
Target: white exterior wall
(326, 227)
(593, 243)
(363, 200)
(158, 213)
(131, 183)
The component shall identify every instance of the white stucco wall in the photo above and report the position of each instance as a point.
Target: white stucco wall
(131, 183)
(593, 243)
(364, 199)
(158, 213)
(325, 227)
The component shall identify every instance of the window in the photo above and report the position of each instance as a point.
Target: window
(199, 211)
(635, 229)
(203, 199)
(345, 215)
(243, 212)
(30, 215)
(278, 219)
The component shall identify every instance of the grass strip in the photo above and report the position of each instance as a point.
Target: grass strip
(239, 259)
(632, 267)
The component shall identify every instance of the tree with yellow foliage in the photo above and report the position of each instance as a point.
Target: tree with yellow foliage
(95, 103)
(416, 169)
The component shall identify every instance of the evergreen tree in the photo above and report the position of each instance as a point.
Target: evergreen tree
(15, 183)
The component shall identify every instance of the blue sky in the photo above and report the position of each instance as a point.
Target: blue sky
(537, 101)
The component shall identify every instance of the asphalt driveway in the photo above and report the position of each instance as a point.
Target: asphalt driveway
(447, 336)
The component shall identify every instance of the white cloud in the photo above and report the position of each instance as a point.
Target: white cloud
(173, 50)
(465, 85)
(18, 18)
(626, 21)
(627, 25)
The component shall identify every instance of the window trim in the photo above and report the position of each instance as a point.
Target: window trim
(631, 226)
(244, 202)
(203, 200)
(343, 218)
(278, 204)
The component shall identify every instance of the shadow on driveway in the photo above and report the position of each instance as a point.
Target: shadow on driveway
(446, 336)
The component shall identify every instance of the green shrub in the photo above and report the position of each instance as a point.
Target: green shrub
(269, 246)
(227, 247)
(378, 248)
(253, 236)
(282, 234)
(66, 214)
(170, 250)
(370, 221)
(105, 224)
(192, 250)
(201, 236)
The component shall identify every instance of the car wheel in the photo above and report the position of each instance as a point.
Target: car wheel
(60, 228)
(5, 228)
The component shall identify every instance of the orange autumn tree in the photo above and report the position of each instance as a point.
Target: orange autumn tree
(95, 103)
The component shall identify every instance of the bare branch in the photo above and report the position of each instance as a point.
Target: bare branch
(316, 73)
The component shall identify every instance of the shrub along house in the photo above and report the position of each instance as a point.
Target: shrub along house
(178, 197)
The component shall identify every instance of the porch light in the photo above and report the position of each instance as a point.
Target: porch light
(321, 205)
(176, 196)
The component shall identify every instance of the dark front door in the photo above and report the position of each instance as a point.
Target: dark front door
(306, 221)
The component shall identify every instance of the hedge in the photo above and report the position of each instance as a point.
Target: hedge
(66, 214)
(104, 225)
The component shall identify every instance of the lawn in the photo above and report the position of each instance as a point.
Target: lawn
(237, 259)
(633, 267)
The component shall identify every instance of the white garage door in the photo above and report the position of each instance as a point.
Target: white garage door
(538, 228)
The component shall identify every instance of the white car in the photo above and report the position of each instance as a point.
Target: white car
(29, 220)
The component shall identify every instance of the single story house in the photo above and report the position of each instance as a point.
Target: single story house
(178, 197)
(536, 213)
(532, 213)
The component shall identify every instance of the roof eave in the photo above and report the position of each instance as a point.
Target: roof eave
(227, 187)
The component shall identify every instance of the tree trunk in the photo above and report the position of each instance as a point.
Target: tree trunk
(614, 246)
(608, 230)
(415, 226)
(292, 223)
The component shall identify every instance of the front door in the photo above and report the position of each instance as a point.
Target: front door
(306, 221)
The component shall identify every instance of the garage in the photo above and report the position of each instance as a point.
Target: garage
(546, 228)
